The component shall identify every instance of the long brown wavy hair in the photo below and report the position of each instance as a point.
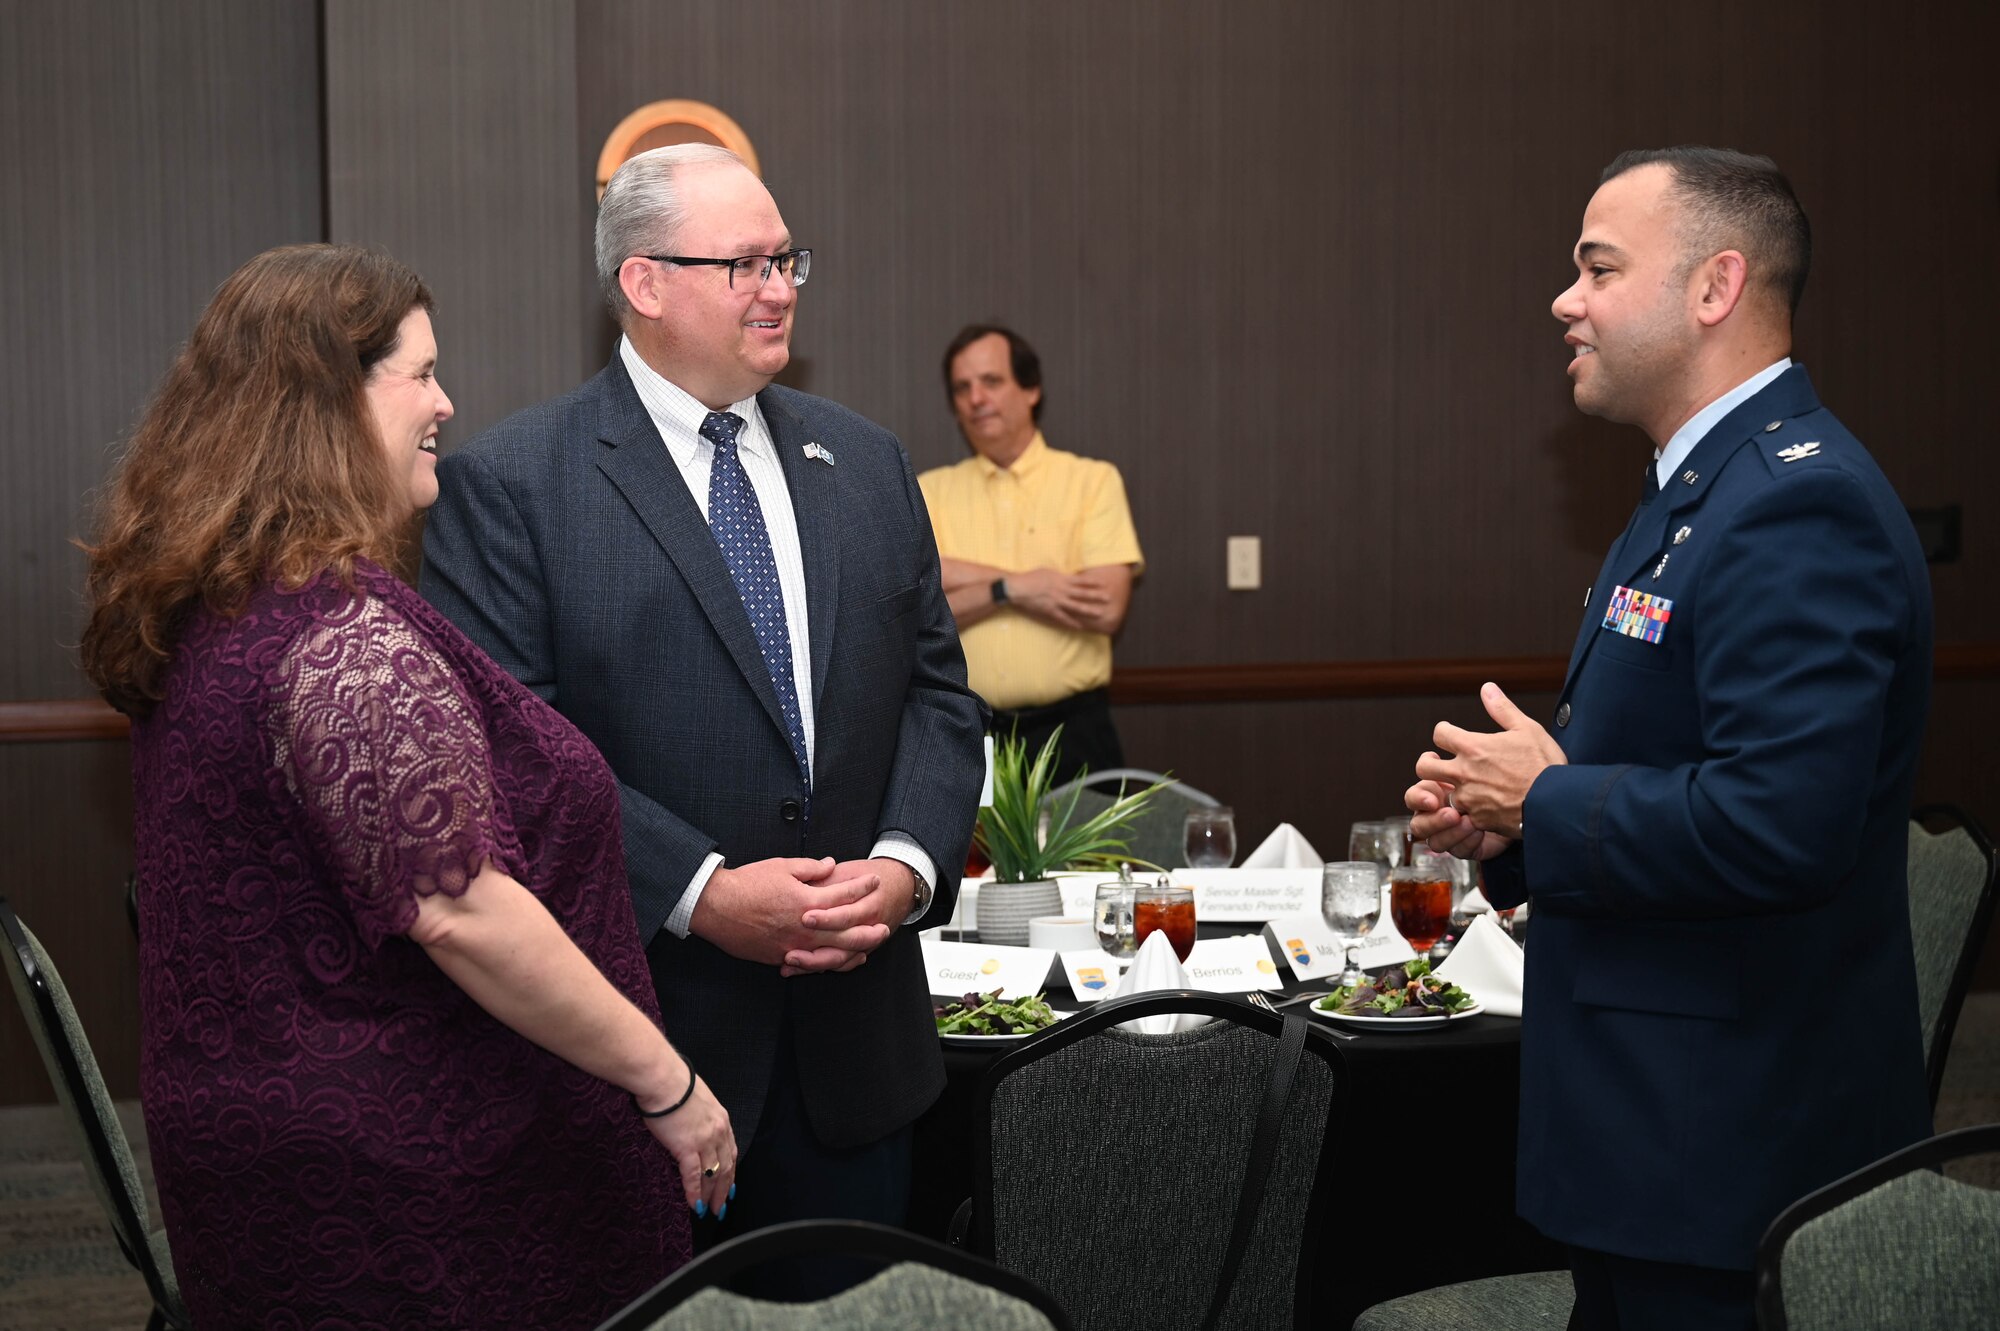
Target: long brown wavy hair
(258, 460)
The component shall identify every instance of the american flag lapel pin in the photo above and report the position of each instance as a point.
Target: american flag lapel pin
(815, 449)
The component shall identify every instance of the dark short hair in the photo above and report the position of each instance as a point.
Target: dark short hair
(1734, 200)
(1026, 364)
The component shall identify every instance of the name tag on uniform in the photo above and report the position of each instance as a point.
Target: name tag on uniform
(1638, 614)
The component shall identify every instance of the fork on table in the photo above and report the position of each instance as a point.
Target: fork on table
(1257, 998)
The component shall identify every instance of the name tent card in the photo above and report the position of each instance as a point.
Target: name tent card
(1385, 946)
(1250, 895)
(1232, 965)
(1091, 973)
(1313, 951)
(1079, 890)
(978, 968)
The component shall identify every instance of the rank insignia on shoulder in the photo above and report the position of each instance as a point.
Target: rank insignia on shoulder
(1797, 451)
(1640, 615)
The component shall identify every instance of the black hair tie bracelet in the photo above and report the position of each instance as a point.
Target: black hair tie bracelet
(662, 1113)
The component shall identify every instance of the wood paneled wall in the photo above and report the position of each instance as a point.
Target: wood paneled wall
(1288, 264)
(147, 148)
(450, 142)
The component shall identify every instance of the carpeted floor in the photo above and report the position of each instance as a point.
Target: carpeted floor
(60, 1269)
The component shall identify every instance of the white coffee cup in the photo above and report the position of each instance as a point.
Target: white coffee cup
(1064, 933)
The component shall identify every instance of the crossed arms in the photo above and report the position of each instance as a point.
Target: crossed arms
(1093, 600)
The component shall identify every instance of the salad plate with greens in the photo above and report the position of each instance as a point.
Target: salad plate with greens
(1403, 998)
(992, 1018)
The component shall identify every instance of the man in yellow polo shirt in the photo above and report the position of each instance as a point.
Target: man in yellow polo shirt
(1038, 553)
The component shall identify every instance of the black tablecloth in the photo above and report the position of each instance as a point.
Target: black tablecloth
(1431, 1133)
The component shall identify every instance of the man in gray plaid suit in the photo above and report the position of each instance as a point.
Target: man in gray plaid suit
(732, 589)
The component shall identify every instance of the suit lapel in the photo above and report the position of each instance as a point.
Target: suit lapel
(636, 460)
(815, 489)
(1645, 539)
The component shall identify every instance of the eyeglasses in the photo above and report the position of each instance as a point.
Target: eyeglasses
(754, 269)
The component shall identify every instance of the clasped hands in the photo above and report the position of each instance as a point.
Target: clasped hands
(1469, 805)
(805, 916)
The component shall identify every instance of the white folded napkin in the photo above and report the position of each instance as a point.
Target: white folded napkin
(1487, 964)
(1156, 967)
(1285, 848)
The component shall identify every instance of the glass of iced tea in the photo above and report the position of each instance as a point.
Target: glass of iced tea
(1170, 909)
(1420, 902)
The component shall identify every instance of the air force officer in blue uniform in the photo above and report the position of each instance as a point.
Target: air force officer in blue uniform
(1721, 1002)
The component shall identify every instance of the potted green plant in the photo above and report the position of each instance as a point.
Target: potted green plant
(1024, 850)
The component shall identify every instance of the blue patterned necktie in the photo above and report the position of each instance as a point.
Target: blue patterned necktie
(736, 520)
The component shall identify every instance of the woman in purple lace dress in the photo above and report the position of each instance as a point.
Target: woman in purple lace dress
(398, 1031)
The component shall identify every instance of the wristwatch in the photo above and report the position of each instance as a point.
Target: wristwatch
(999, 591)
(922, 900)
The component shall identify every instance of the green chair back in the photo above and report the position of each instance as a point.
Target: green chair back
(1892, 1245)
(1951, 875)
(107, 1155)
(1155, 836)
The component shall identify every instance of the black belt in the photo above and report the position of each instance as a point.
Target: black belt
(1061, 710)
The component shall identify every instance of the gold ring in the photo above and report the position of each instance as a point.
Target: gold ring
(710, 1172)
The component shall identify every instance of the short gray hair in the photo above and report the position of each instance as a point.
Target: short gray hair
(642, 213)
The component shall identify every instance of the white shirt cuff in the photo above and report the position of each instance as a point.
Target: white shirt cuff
(899, 846)
(681, 918)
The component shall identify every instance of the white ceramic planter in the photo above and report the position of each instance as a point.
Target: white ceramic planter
(1005, 909)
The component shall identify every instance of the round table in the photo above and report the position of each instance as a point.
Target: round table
(1430, 1124)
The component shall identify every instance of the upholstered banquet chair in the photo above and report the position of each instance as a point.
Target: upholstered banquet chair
(107, 1157)
(1156, 1182)
(1538, 1299)
(926, 1285)
(1897, 1244)
(1951, 910)
(1155, 836)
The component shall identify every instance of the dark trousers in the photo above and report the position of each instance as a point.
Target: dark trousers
(785, 1173)
(1616, 1293)
(1088, 737)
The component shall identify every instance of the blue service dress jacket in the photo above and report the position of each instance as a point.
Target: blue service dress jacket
(566, 544)
(1721, 1007)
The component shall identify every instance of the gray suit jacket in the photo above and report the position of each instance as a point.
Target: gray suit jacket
(566, 544)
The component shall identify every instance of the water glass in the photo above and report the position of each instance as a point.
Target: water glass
(1112, 915)
(1383, 840)
(1464, 877)
(1208, 837)
(1350, 901)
